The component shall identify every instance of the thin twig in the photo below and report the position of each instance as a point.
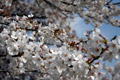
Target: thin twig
(109, 2)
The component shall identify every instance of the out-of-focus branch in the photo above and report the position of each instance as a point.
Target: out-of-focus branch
(54, 6)
(118, 3)
(68, 3)
(4, 71)
(38, 3)
(4, 23)
(3, 55)
(109, 2)
(34, 17)
(36, 71)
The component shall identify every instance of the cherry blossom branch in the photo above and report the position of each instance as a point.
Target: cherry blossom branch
(97, 57)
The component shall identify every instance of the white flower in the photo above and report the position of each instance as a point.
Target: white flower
(108, 55)
(29, 47)
(92, 77)
(97, 30)
(14, 35)
(32, 37)
(13, 50)
(119, 39)
(17, 17)
(24, 17)
(5, 31)
(105, 10)
(114, 48)
(13, 25)
(31, 15)
(25, 56)
(117, 67)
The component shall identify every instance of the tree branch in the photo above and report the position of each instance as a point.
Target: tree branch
(68, 3)
(3, 55)
(54, 6)
(116, 3)
(36, 71)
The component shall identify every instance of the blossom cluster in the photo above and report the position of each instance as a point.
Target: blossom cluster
(95, 11)
(53, 51)
(27, 44)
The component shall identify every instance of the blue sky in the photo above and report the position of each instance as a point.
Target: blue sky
(106, 29)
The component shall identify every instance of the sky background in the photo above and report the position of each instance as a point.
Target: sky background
(107, 30)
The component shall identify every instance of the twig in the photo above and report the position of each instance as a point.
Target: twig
(109, 2)
(97, 57)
